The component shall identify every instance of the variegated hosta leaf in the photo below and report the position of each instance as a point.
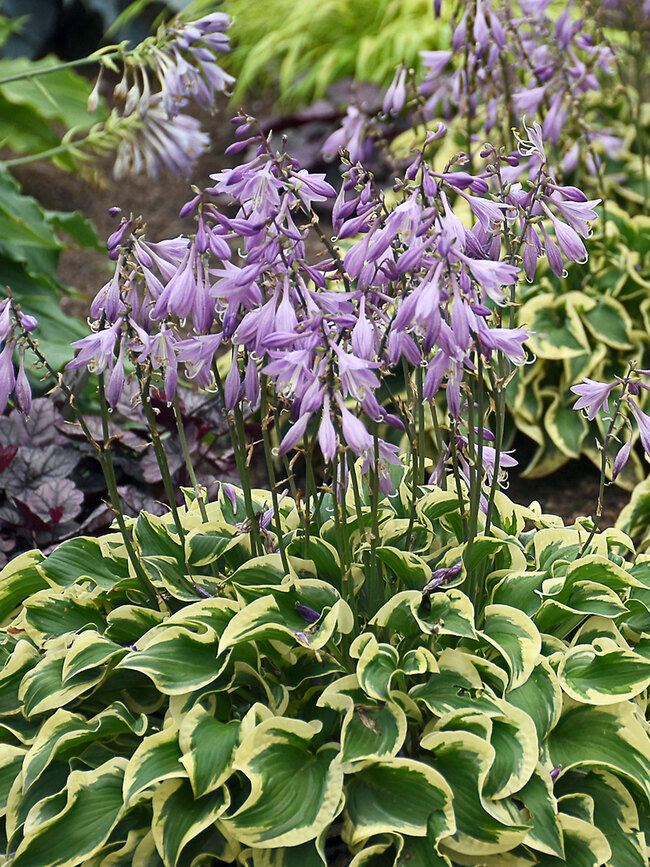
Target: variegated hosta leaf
(484, 826)
(178, 817)
(208, 746)
(278, 614)
(371, 728)
(376, 667)
(42, 688)
(397, 795)
(612, 738)
(11, 762)
(157, 758)
(73, 826)
(615, 814)
(443, 613)
(541, 697)
(179, 659)
(603, 673)
(295, 789)
(410, 570)
(545, 835)
(65, 733)
(18, 580)
(515, 637)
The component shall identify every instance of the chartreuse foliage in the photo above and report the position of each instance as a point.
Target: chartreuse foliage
(266, 717)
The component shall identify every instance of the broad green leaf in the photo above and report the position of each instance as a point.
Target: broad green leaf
(64, 732)
(411, 571)
(295, 790)
(515, 637)
(566, 427)
(128, 623)
(92, 808)
(57, 612)
(11, 762)
(178, 817)
(396, 795)
(90, 650)
(443, 613)
(556, 329)
(584, 845)
(456, 686)
(603, 673)
(370, 729)
(42, 689)
(206, 546)
(516, 751)
(179, 660)
(208, 748)
(541, 697)
(634, 518)
(81, 558)
(323, 555)
(464, 760)
(23, 659)
(157, 758)
(537, 796)
(615, 814)
(276, 615)
(609, 322)
(18, 580)
(22, 220)
(610, 737)
(375, 669)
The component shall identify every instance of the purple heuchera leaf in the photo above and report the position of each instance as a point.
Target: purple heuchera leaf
(55, 502)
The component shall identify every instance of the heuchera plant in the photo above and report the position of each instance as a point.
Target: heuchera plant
(381, 659)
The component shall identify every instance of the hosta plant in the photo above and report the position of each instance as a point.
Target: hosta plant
(259, 714)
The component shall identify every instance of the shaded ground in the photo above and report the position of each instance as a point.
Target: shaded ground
(570, 492)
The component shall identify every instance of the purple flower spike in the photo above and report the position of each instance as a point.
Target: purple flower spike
(592, 396)
(307, 613)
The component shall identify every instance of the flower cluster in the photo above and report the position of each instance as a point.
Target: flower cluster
(14, 327)
(160, 78)
(503, 66)
(408, 290)
(594, 397)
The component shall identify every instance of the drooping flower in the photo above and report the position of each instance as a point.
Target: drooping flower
(593, 396)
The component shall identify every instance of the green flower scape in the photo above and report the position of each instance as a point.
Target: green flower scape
(380, 659)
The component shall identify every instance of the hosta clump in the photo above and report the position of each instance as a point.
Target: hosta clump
(261, 715)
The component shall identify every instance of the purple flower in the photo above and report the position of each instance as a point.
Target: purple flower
(592, 396)
(96, 349)
(354, 431)
(327, 439)
(396, 94)
(294, 434)
(7, 376)
(621, 458)
(198, 353)
(643, 423)
(157, 141)
(492, 276)
(351, 136)
(307, 613)
(22, 390)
